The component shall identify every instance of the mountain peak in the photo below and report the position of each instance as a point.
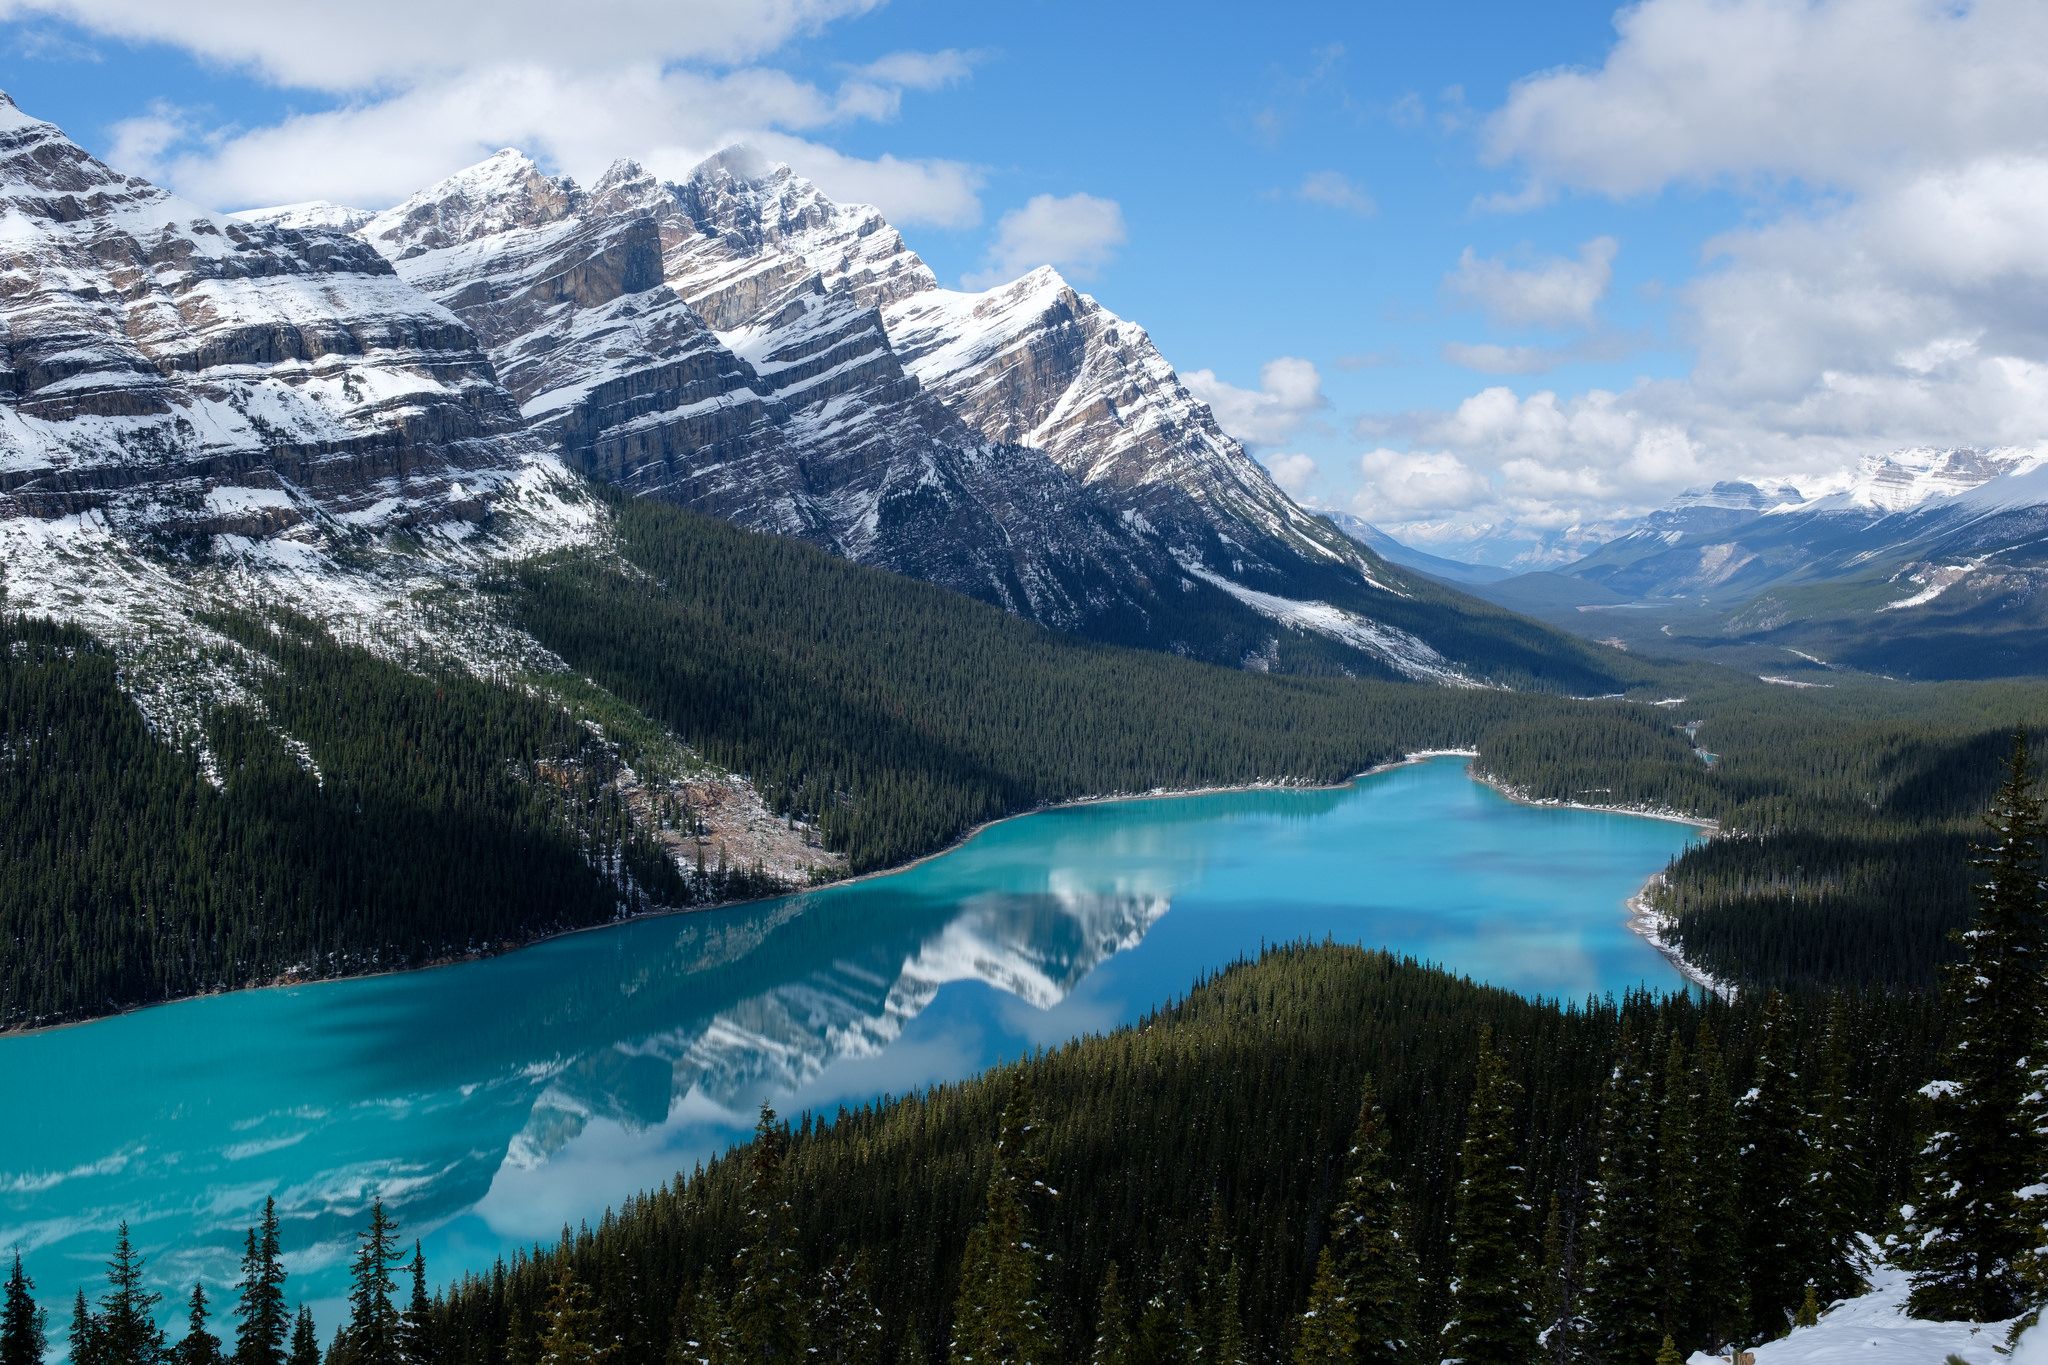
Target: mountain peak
(742, 161)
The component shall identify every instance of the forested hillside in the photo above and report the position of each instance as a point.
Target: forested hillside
(430, 812)
(1218, 1165)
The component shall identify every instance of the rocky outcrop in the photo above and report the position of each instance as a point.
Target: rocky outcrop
(184, 375)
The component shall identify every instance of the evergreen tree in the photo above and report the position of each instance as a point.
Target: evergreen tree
(85, 1338)
(1328, 1333)
(999, 1317)
(126, 1330)
(1492, 1320)
(767, 1315)
(24, 1332)
(847, 1327)
(372, 1336)
(200, 1346)
(1677, 1193)
(305, 1347)
(1841, 1176)
(1563, 1327)
(1112, 1344)
(264, 1321)
(1624, 1296)
(1373, 1261)
(416, 1328)
(1777, 1187)
(1719, 1299)
(1972, 1230)
(1219, 1302)
(1667, 1353)
(574, 1331)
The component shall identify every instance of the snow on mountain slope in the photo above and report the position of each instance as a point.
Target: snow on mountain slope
(795, 416)
(312, 215)
(1906, 479)
(1041, 364)
(171, 371)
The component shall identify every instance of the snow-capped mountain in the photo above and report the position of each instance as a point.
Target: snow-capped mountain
(741, 344)
(171, 372)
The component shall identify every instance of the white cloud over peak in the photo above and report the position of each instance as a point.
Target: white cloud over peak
(428, 89)
(1290, 391)
(1553, 291)
(1295, 472)
(1079, 233)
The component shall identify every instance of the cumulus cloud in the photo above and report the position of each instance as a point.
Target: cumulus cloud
(1554, 291)
(1336, 190)
(1295, 472)
(1887, 285)
(370, 44)
(465, 79)
(1290, 391)
(1835, 92)
(1079, 233)
(1399, 483)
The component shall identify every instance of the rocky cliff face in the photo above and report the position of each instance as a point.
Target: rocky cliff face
(181, 375)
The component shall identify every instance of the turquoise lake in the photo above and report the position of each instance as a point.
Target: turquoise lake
(493, 1101)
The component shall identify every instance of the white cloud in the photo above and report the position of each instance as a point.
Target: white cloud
(919, 70)
(1400, 483)
(1834, 92)
(376, 152)
(1554, 291)
(1295, 472)
(382, 43)
(432, 88)
(1290, 391)
(1079, 233)
(1334, 189)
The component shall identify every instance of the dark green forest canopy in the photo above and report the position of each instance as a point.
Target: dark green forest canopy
(446, 814)
(1231, 1110)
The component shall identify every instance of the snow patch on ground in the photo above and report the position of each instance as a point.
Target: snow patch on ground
(1873, 1329)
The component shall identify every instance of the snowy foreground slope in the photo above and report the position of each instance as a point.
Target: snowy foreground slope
(1874, 1330)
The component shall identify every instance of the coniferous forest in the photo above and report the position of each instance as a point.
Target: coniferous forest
(432, 813)
(1324, 1155)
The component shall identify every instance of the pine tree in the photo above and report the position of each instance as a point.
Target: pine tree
(1219, 1302)
(1328, 1331)
(200, 1346)
(999, 1317)
(1777, 1187)
(767, 1309)
(1677, 1193)
(372, 1334)
(1808, 1312)
(1623, 1292)
(1720, 1312)
(1841, 1175)
(1492, 1320)
(85, 1338)
(1971, 1229)
(1667, 1353)
(1112, 1345)
(264, 1320)
(846, 1326)
(24, 1332)
(1373, 1261)
(127, 1332)
(1559, 1287)
(305, 1347)
(416, 1328)
(574, 1331)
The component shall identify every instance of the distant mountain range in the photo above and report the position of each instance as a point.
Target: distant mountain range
(1925, 563)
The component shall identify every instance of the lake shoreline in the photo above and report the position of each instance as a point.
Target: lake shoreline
(1644, 919)
(1640, 920)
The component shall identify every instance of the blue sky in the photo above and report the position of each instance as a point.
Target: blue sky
(1491, 274)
